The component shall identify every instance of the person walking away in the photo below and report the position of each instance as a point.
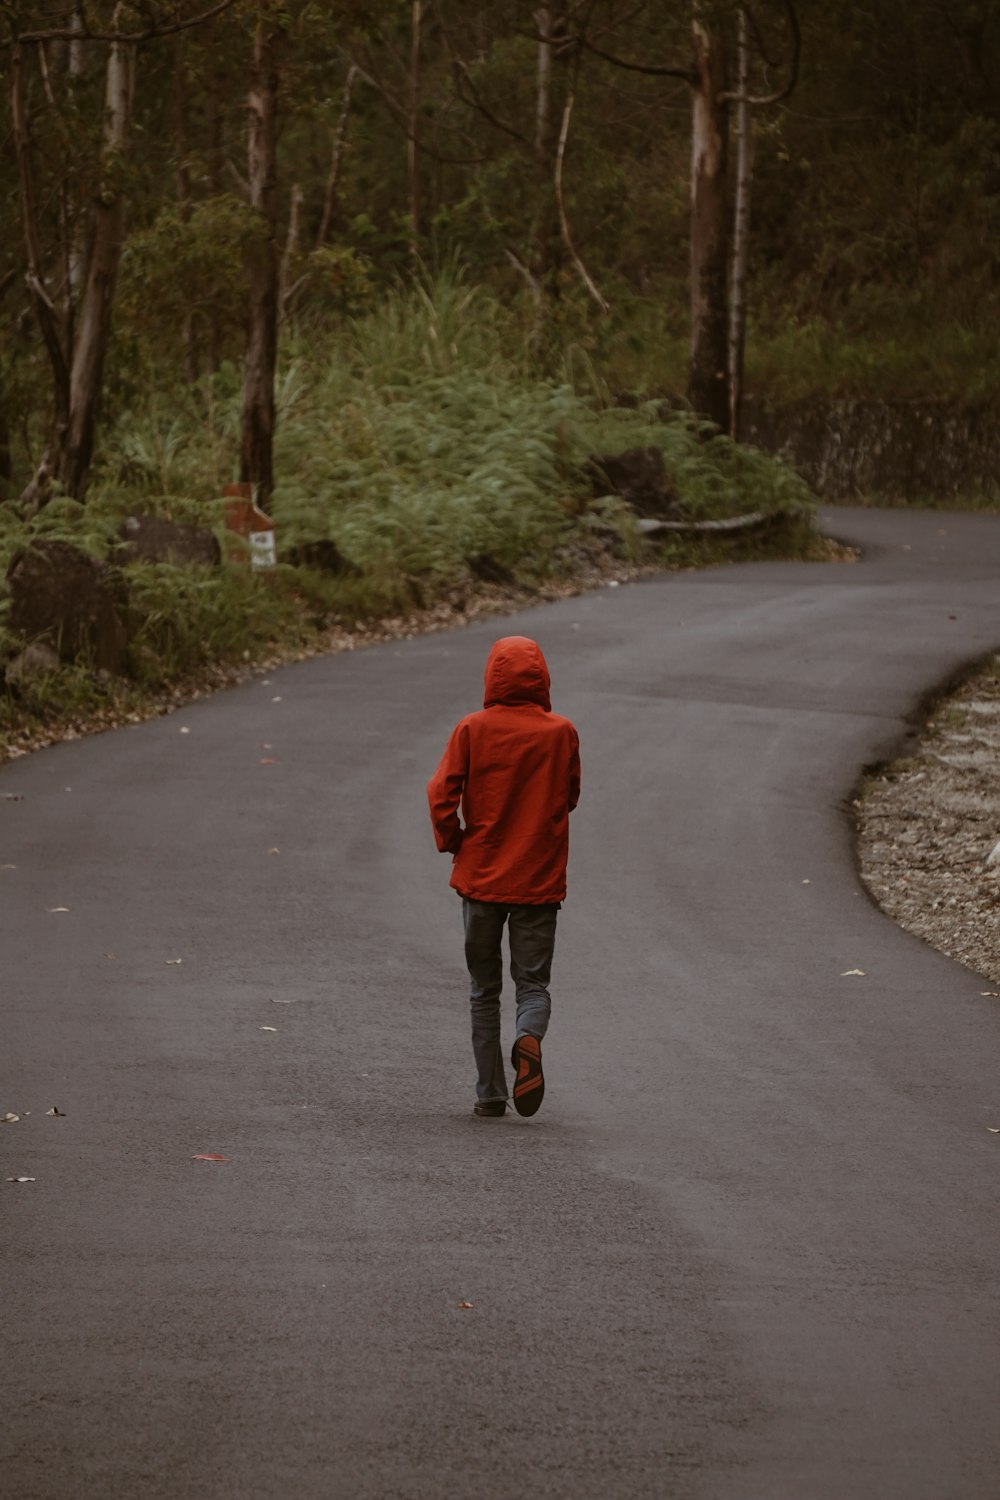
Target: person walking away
(514, 768)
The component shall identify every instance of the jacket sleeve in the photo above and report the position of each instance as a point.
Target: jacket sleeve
(574, 770)
(444, 791)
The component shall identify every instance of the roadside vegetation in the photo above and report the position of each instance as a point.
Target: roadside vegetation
(409, 270)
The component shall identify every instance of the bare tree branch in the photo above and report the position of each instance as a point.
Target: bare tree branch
(758, 100)
(478, 102)
(563, 221)
(399, 116)
(84, 34)
(336, 158)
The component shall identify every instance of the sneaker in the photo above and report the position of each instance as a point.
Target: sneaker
(529, 1084)
(490, 1109)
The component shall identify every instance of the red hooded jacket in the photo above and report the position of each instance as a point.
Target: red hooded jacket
(515, 768)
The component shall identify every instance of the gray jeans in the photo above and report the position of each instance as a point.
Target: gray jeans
(531, 931)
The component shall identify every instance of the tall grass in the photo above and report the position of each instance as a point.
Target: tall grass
(424, 440)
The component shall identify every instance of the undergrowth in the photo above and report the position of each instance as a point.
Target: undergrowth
(425, 445)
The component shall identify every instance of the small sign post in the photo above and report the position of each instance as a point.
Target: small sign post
(244, 518)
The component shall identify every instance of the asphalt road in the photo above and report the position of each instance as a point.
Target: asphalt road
(749, 1248)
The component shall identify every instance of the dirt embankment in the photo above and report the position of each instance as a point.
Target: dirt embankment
(928, 824)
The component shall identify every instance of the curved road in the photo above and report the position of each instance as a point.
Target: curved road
(749, 1248)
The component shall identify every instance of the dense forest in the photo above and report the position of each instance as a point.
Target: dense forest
(404, 265)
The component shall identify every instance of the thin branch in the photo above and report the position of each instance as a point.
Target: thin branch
(758, 100)
(523, 270)
(45, 311)
(477, 102)
(336, 158)
(121, 37)
(563, 221)
(399, 117)
(686, 75)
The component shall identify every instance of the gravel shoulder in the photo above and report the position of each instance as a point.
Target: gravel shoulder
(928, 824)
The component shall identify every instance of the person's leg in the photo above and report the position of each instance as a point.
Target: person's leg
(532, 931)
(483, 931)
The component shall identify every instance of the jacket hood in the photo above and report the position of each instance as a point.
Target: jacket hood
(516, 673)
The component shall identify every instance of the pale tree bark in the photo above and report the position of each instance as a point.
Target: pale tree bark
(708, 376)
(741, 228)
(257, 445)
(336, 159)
(93, 329)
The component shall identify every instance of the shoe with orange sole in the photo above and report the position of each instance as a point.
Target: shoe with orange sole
(529, 1083)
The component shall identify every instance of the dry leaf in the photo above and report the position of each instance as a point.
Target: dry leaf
(268, 760)
(55, 1110)
(9, 1119)
(993, 994)
(848, 972)
(267, 1028)
(22, 1179)
(208, 1156)
(465, 1304)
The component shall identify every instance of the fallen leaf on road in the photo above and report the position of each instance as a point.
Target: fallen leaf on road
(848, 972)
(267, 1028)
(269, 760)
(993, 1129)
(55, 1110)
(208, 1156)
(22, 1179)
(993, 994)
(173, 960)
(9, 1119)
(465, 1304)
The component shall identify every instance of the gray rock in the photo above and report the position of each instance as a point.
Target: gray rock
(69, 601)
(34, 661)
(153, 539)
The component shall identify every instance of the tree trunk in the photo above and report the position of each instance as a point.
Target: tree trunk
(412, 141)
(256, 456)
(49, 322)
(708, 382)
(182, 138)
(93, 328)
(741, 230)
(336, 160)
